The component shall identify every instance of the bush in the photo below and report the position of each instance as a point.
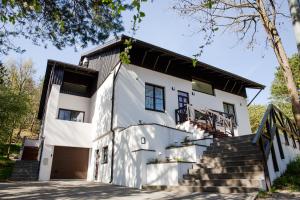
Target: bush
(290, 180)
(14, 149)
(6, 167)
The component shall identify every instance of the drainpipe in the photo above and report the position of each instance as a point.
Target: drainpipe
(112, 123)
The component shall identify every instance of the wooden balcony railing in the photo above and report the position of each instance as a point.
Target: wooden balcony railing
(209, 119)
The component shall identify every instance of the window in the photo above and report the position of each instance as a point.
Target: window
(229, 109)
(154, 98)
(104, 154)
(71, 115)
(183, 99)
(201, 86)
(74, 89)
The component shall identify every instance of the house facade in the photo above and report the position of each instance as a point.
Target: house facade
(107, 121)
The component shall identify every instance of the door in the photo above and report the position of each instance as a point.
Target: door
(69, 163)
(183, 99)
(97, 160)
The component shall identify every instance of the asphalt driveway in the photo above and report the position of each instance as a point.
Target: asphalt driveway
(89, 190)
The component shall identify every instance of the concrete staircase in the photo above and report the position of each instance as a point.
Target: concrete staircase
(229, 165)
(25, 170)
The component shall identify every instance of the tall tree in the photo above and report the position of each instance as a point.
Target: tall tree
(256, 113)
(245, 18)
(62, 23)
(279, 92)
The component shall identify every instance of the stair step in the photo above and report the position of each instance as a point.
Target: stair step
(230, 153)
(230, 163)
(214, 189)
(223, 182)
(210, 176)
(230, 158)
(239, 169)
(231, 148)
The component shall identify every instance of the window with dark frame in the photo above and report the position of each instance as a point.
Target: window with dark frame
(204, 87)
(154, 98)
(105, 155)
(230, 109)
(71, 115)
(183, 99)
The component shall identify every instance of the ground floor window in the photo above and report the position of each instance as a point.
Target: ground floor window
(104, 154)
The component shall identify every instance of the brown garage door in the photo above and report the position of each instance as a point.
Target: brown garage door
(69, 163)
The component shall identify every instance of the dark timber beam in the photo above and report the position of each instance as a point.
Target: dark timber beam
(169, 63)
(156, 62)
(226, 85)
(233, 87)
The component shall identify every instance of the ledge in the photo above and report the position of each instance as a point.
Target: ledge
(186, 145)
(143, 150)
(167, 162)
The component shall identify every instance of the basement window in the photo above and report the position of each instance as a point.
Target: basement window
(105, 155)
(203, 87)
(154, 98)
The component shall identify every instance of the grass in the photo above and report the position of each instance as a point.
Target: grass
(6, 167)
(290, 180)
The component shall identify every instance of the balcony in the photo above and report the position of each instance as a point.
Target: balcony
(206, 119)
(68, 133)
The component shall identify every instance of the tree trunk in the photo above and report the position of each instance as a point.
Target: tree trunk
(9, 143)
(282, 58)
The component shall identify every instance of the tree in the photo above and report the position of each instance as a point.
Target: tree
(256, 113)
(245, 18)
(2, 73)
(279, 92)
(21, 82)
(63, 23)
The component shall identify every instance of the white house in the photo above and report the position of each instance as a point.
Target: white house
(138, 124)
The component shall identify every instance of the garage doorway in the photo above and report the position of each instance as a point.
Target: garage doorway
(69, 163)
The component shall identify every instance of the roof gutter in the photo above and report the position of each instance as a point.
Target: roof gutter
(112, 122)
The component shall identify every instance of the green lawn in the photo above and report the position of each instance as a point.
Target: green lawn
(6, 167)
(290, 180)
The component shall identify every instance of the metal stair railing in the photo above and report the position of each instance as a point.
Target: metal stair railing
(273, 122)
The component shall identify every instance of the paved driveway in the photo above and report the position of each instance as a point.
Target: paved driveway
(89, 190)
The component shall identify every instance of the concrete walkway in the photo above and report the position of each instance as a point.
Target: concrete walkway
(89, 190)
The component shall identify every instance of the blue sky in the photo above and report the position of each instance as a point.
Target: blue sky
(164, 27)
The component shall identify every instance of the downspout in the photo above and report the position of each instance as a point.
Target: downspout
(112, 123)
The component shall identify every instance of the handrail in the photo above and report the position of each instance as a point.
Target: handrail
(212, 118)
(272, 121)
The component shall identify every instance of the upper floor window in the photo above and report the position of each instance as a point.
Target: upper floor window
(71, 115)
(154, 98)
(201, 86)
(229, 109)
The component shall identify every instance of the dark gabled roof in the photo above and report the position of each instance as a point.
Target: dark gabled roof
(48, 79)
(119, 42)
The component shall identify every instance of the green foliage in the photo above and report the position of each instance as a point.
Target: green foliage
(6, 167)
(290, 180)
(63, 23)
(125, 54)
(14, 148)
(3, 73)
(279, 91)
(256, 113)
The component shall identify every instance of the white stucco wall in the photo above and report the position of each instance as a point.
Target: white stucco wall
(130, 99)
(290, 153)
(190, 153)
(131, 156)
(61, 132)
(73, 102)
(166, 173)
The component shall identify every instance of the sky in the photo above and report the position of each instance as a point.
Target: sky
(163, 27)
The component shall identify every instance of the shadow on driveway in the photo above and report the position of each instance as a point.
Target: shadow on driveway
(90, 190)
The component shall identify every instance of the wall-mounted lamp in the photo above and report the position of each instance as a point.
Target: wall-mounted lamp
(193, 93)
(173, 88)
(143, 140)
